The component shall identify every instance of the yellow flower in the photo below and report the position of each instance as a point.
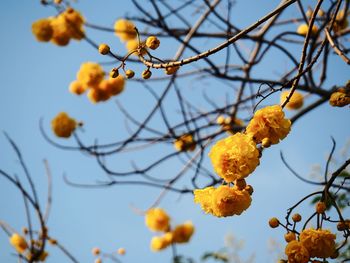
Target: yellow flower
(204, 198)
(152, 42)
(182, 233)
(185, 143)
(61, 35)
(296, 252)
(97, 94)
(340, 98)
(77, 88)
(234, 157)
(125, 29)
(111, 87)
(303, 28)
(295, 102)
(63, 126)
(90, 74)
(95, 251)
(320, 243)
(42, 29)
(160, 242)
(270, 123)
(18, 242)
(74, 21)
(222, 201)
(157, 219)
(134, 45)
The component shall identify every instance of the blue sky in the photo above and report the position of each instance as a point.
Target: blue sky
(34, 84)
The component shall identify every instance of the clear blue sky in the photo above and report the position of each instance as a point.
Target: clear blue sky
(34, 84)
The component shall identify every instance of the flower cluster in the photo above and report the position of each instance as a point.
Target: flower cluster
(60, 29)
(21, 246)
(311, 243)
(223, 201)
(91, 77)
(63, 126)
(158, 220)
(236, 157)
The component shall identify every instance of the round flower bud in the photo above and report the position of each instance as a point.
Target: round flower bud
(273, 222)
(290, 236)
(129, 74)
(240, 184)
(266, 142)
(57, 2)
(304, 28)
(341, 226)
(96, 251)
(25, 230)
(114, 73)
(171, 70)
(152, 42)
(98, 260)
(103, 49)
(121, 251)
(146, 74)
(320, 207)
(220, 120)
(296, 217)
(249, 189)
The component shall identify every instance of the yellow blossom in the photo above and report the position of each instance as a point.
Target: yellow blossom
(304, 28)
(160, 242)
(222, 201)
(152, 42)
(185, 143)
(90, 74)
(77, 88)
(157, 219)
(42, 29)
(18, 242)
(125, 29)
(295, 102)
(74, 21)
(270, 123)
(61, 35)
(112, 86)
(320, 243)
(340, 98)
(95, 251)
(97, 94)
(182, 233)
(63, 125)
(296, 252)
(234, 157)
